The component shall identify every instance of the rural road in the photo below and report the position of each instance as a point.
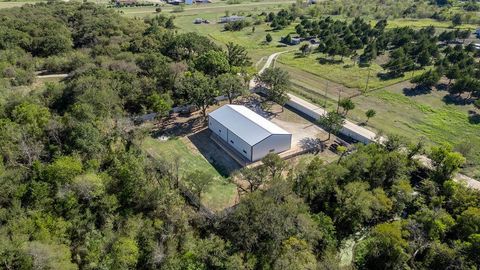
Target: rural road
(52, 76)
(470, 182)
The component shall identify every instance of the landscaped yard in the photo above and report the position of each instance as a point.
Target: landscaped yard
(221, 193)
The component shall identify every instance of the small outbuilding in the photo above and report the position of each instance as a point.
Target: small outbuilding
(248, 133)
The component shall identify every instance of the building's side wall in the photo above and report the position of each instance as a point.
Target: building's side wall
(240, 145)
(277, 142)
(218, 128)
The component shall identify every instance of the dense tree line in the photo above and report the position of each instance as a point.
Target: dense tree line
(78, 192)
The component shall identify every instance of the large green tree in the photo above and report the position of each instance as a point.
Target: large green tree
(198, 90)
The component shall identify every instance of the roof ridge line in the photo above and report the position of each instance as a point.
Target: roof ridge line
(271, 133)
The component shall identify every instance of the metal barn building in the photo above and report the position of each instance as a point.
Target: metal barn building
(248, 133)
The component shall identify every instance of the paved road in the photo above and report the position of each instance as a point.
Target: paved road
(268, 63)
(470, 182)
(52, 76)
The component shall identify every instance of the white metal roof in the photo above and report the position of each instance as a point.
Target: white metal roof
(245, 123)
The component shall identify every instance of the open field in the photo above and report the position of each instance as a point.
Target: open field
(201, 9)
(344, 73)
(420, 23)
(221, 193)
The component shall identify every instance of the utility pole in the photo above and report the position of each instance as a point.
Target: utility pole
(413, 69)
(338, 101)
(368, 79)
(326, 89)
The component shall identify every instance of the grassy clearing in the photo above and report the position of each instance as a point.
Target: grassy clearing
(420, 23)
(220, 194)
(14, 4)
(345, 73)
(201, 9)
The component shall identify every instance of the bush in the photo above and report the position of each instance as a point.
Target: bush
(236, 26)
(65, 63)
(22, 77)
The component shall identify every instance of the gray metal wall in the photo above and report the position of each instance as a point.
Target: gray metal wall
(276, 142)
(218, 128)
(229, 137)
(241, 146)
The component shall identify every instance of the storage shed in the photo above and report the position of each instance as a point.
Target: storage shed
(248, 133)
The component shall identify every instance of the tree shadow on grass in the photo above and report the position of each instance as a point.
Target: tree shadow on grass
(442, 87)
(473, 117)
(385, 76)
(450, 99)
(416, 91)
(325, 61)
(176, 126)
(313, 145)
(299, 55)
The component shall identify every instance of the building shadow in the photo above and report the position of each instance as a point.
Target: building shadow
(215, 155)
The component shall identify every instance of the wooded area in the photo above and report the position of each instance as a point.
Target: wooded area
(78, 192)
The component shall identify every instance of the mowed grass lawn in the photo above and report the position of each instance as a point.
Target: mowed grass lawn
(220, 194)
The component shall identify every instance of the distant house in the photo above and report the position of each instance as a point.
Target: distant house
(175, 2)
(187, 2)
(295, 41)
(125, 2)
(234, 18)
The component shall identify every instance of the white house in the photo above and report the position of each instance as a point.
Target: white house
(248, 133)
